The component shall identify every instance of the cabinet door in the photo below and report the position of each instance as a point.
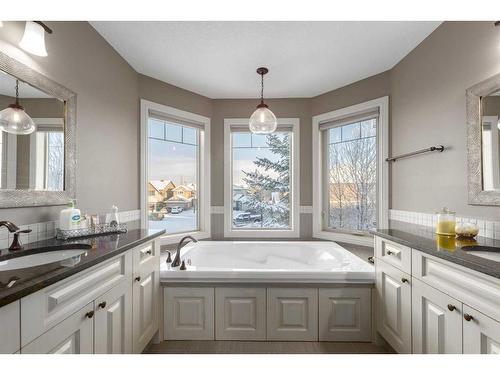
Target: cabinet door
(189, 313)
(240, 313)
(10, 328)
(74, 335)
(394, 306)
(113, 321)
(481, 333)
(292, 314)
(146, 287)
(436, 321)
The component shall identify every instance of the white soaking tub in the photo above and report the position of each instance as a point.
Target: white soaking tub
(268, 262)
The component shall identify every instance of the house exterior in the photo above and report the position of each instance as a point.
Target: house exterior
(182, 196)
(159, 191)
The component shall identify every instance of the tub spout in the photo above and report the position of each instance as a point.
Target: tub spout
(184, 241)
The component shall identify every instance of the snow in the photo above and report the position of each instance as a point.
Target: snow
(176, 223)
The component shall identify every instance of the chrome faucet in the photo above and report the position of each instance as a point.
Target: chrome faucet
(184, 241)
(13, 228)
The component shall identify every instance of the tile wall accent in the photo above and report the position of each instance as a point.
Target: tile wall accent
(46, 230)
(490, 229)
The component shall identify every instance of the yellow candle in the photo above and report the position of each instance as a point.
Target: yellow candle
(446, 227)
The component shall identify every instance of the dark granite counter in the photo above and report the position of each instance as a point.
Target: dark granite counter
(98, 249)
(448, 248)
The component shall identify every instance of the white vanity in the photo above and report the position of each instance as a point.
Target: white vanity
(426, 304)
(111, 307)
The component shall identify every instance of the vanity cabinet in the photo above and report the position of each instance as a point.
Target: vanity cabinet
(431, 311)
(109, 308)
(10, 329)
(394, 306)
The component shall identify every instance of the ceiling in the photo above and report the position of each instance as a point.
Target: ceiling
(305, 59)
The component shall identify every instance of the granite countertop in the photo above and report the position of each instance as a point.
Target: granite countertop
(449, 248)
(98, 249)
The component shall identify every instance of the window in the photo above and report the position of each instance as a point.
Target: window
(175, 174)
(350, 172)
(261, 180)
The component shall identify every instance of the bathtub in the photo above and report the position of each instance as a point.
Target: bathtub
(268, 262)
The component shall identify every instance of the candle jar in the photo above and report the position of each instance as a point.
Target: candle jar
(445, 225)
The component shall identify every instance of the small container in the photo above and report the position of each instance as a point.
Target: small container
(446, 222)
(466, 230)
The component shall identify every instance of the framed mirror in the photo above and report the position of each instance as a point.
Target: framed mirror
(37, 169)
(483, 142)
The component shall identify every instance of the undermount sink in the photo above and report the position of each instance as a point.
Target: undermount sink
(487, 252)
(66, 257)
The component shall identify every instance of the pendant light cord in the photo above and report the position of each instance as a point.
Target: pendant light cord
(262, 88)
(17, 92)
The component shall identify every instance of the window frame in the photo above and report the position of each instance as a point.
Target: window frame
(203, 162)
(294, 231)
(318, 146)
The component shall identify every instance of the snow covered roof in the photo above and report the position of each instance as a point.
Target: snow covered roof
(179, 199)
(160, 184)
(189, 187)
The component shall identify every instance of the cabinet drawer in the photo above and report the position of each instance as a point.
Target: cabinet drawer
(481, 333)
(394, 254)
(471, 287)
(10, 329)
(44, 309)
(146, 257)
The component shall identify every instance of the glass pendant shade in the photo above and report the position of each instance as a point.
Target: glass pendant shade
(263, 120)
(15, 120)
(33, 40)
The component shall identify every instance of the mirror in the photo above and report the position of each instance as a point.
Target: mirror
(34, 161)
(483, 142)
(37, 169)
(490, 140)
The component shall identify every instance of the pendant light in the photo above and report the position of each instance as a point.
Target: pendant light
(33, 40)
(15, 120)
(262, 121)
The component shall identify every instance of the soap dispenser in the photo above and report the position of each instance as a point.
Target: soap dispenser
(113, 217)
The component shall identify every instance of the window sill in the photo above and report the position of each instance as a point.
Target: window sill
(344, 237)
(257, 234)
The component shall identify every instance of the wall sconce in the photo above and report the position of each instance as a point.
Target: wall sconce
(33, 40)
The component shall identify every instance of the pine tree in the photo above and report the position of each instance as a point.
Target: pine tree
(271, 177)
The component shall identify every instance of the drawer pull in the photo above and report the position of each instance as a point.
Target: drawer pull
(468, 317)
(405, 280)
(389, 252)
(138, 278)
(102, 305)
(451, 307)
(371, 260)
(149, 252)
(90, 314)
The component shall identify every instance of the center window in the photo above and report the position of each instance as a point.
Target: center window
(262, 193)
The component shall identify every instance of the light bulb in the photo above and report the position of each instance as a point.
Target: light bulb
(263, 121)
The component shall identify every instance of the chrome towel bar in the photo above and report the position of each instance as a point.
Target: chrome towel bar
(423, 151)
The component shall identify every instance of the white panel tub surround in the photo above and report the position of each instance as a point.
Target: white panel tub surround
(453, 309)
(240, 314)
(345, 314)
(10, 328)
(269, 261)
(189, 313)
(292, 314)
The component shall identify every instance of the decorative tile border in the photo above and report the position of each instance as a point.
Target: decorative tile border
(490, 229)
(46, 230)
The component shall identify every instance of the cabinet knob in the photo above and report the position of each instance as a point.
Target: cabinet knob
(90, 314)
(102, 305)
(138, 278)
(405, 280)
(451, 307)
(468, 317)
(149, 252)
(389, 252)
(371, 260)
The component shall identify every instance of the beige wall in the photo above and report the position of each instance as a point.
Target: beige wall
(107, 115)
(428, 108)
